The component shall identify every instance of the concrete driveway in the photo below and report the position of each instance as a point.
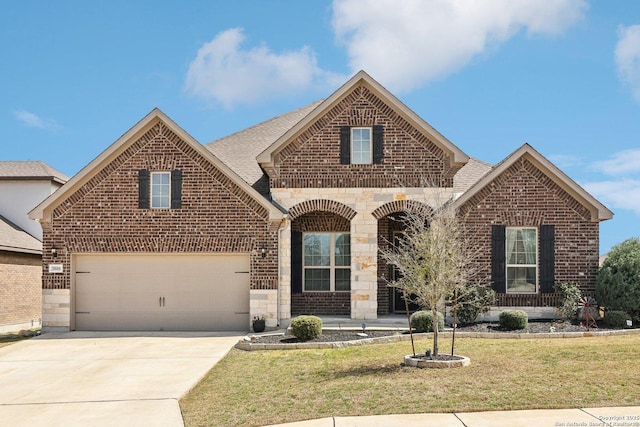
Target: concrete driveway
(106, 378)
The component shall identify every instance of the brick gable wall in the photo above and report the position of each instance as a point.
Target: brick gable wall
(524, 196)
(216, 216)
(20, 294)
(312, 160)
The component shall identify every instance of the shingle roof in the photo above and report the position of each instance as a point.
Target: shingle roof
(15, 239)
(469, 174)
(239, 150)
(30, 170)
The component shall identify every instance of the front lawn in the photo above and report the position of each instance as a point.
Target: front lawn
(269, 387)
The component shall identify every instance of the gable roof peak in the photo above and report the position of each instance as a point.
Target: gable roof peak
(457, 156)
(599, 212)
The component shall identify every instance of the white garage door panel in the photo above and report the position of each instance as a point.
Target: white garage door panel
(161, 292)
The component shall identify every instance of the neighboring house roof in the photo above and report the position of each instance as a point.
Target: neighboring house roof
(30, 170)
(15, 239)
(469, 174)
(239, 150)
(44, 209)
(599, 212)
(361, 78)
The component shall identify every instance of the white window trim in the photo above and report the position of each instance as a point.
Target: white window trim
(507, 265)
(370, 161)
(332, 261)
(151, 190)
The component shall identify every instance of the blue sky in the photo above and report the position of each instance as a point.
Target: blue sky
(561, 75)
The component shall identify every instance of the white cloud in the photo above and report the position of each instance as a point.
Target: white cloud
(225, 72)
(623, 194)
(34, 121)
(623, 162)
(405, 44)
(627, 56)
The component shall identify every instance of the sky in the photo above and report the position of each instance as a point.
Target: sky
(561, 75)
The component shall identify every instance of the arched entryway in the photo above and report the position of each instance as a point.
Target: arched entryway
(390, 228)
(321, 258)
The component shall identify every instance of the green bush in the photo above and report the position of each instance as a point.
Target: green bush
(473, 301)
(306, 327)
(616, 319)
(618, 284)
(422, 321)
(512, 320)
(570, 297)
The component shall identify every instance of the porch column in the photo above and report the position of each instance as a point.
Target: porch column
(364, 267)
(284, 273)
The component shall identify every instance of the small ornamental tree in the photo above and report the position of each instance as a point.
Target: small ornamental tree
(434, 257)
(618, 285)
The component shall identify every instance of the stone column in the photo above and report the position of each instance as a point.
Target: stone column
(364, 267)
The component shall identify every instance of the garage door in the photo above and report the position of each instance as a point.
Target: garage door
(161, 292)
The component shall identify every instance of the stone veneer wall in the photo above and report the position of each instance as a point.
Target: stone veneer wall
(363, 228)
(20, 295)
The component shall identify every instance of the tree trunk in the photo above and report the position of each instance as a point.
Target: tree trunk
(406, 306)
(434, 322)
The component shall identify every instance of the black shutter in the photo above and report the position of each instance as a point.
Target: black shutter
(296, 262)
(176, 189)
(143, 189)
(345, 145)
(378, 143)
(498, 258)
(547, 258)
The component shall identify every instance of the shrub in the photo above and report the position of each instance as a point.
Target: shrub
(618, 284)
(306, 327)
(616, 319)
(570, 297)
(422, 321)
(512, 320)
(473, 301)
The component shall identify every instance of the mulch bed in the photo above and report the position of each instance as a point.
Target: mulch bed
(343, 335)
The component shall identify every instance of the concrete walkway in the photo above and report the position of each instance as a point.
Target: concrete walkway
(589, 417)
(104, 379)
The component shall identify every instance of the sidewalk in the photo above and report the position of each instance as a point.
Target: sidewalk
(628, 416)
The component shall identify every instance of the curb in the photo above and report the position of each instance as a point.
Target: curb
(247, 345)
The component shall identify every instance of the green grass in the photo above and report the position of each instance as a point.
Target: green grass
(269, 387)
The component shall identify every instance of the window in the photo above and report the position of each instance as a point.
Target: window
(160, 190)
(327, 261)
(521, 260)
(361, 146)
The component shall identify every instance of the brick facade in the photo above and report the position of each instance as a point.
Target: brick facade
(312, 159)
(20, 294)
(523, 195)
(217, 216)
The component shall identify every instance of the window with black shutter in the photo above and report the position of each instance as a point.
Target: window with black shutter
(361, 145)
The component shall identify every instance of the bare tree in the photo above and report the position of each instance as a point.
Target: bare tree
(434, 259)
